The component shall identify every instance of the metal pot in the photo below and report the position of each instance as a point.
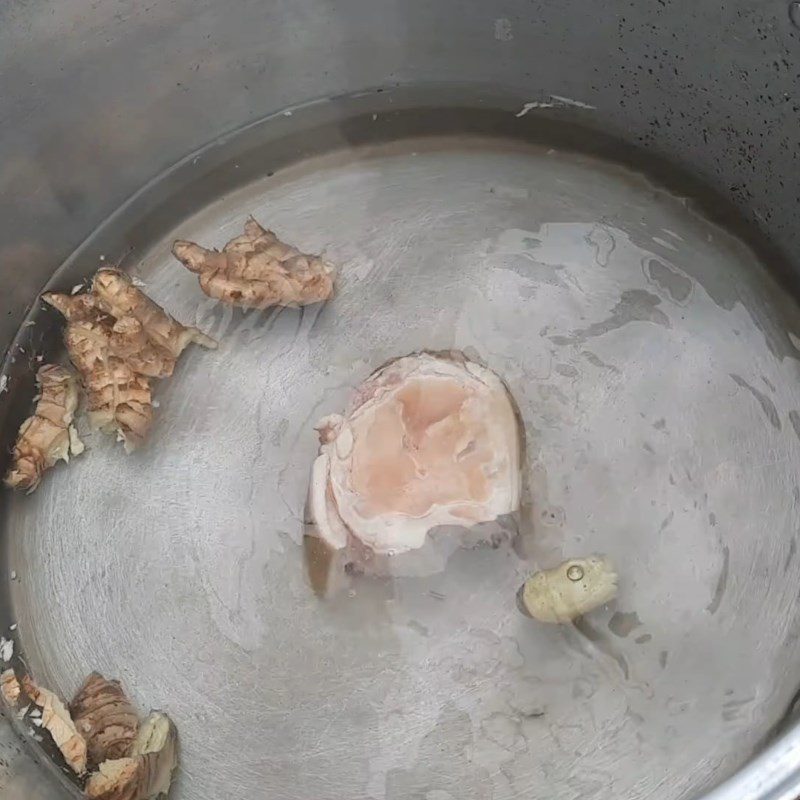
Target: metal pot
(99, 100)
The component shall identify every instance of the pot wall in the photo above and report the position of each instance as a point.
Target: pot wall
(98, 98)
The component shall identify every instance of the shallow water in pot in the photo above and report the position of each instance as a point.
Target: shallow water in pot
(659, 394)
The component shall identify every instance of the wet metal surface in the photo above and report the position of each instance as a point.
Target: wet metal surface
(711, 86)
(640, 343)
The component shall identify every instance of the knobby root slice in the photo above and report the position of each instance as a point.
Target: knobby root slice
(258, 270)
(119, 297)
(156, 747)
(147, 771)
(88, 332)
(119, 399)
(92, 336)
(128, 341)
(10, 688)
(74, 307)
(111, 363)
(119, 339)
(58, 723)
(569, 590)
(116, 779)
(106, 718)
(46, 437)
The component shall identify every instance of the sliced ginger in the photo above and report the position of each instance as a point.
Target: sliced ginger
(119, 319)
(118, 396)
(57, 721)
(88, 330)
(156, 749)
(116, 779)
(120, 399)
(146, 771)
(10, 688)
(119, 339)
(128, 759)
(118, 296)
(48, 436)
(258, 270)
(105, 717)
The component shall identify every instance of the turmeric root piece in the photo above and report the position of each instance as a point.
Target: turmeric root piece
(105, 717)
(118, 296)
(10, 688)
(57, 721)
(147, 771)
(258, 270)
(46, 437)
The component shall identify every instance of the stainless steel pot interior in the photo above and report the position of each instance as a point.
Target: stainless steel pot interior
(652, 353)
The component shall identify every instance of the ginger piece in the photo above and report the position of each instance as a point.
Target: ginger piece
(57, 721)
(117, 295)
(110, 354)
(128, 341)
(258, 270)
(571, 589)
(88, 332)
(147, 771)
(118, 339)
(74, 307)
(92, 336)
(116, 779)
(46, 437)
(10, 688)
(105, 717)
(156, 747)
(119, 399)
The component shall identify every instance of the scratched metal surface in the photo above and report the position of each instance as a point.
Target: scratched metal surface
(22, 777)
(647, 350)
